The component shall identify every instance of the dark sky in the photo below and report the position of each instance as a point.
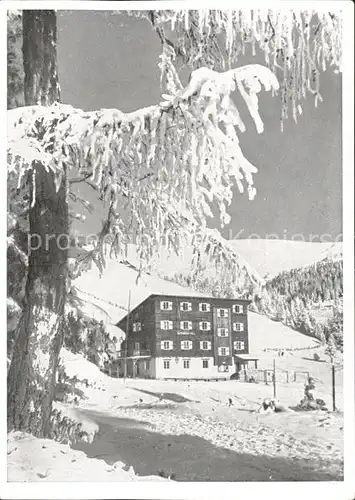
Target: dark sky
(111, 62)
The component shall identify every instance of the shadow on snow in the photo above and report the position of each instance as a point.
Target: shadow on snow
(189, 458)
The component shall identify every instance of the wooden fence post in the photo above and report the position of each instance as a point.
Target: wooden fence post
(274, 377)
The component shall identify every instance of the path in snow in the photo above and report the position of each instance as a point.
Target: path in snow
(181, 442)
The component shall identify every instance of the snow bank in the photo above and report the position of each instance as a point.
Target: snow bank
(43, 460)
(99, 386)
(76, 365)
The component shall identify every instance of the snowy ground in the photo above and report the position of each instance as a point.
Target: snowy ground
(187, 431)
(42, 460)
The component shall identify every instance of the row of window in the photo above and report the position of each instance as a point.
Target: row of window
(204, 326)
(187, 363)
(166, 305)
(205, 345)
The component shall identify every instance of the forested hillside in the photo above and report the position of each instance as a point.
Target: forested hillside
(321, 282)
(304, 299)
(308, 299)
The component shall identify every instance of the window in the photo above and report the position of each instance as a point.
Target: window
(137, 326)
(186, 325)
(167, 345)
(166, 364)
(186, 363)
(166, 325)
(205, 345)
(136, 346)
(186, 345)
(238, 309)
(223, 351)
(222, 332)
(185, 306)
(205, 363)
(147, 365)
(204, 307)
(222, 313)
(238, 345)
(238, 327)
(166, 306)
(205, 325)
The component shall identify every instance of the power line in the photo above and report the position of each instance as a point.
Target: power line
(114, 304)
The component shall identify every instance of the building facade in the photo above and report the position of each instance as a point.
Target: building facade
(184, 337)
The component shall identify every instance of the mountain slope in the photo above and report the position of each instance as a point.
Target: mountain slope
(271, 257)
(114, 286)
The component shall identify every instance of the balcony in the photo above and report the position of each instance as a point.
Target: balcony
(136, 353)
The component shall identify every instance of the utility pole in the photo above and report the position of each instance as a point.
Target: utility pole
(333, 385)
(274, 376)
(126, 340)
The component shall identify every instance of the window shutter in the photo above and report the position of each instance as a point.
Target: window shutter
(238, 345)
(186, 345)
(181, 325)
(170, 325)
(189, 306)
(190, 325)
(169, 344)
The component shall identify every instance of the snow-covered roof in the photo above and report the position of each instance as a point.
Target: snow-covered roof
(246, 357)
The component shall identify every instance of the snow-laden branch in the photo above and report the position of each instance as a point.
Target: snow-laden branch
(162, 166)
(297, 45)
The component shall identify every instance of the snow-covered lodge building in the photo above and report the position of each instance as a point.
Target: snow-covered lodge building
(184, 337)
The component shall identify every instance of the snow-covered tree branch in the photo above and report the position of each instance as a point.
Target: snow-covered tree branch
(163, 165)
(297, 45)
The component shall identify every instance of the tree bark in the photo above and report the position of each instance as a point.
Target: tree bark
(32, 374)
(40, 57)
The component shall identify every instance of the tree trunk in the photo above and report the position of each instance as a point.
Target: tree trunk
(40, 57)
(32, 374)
